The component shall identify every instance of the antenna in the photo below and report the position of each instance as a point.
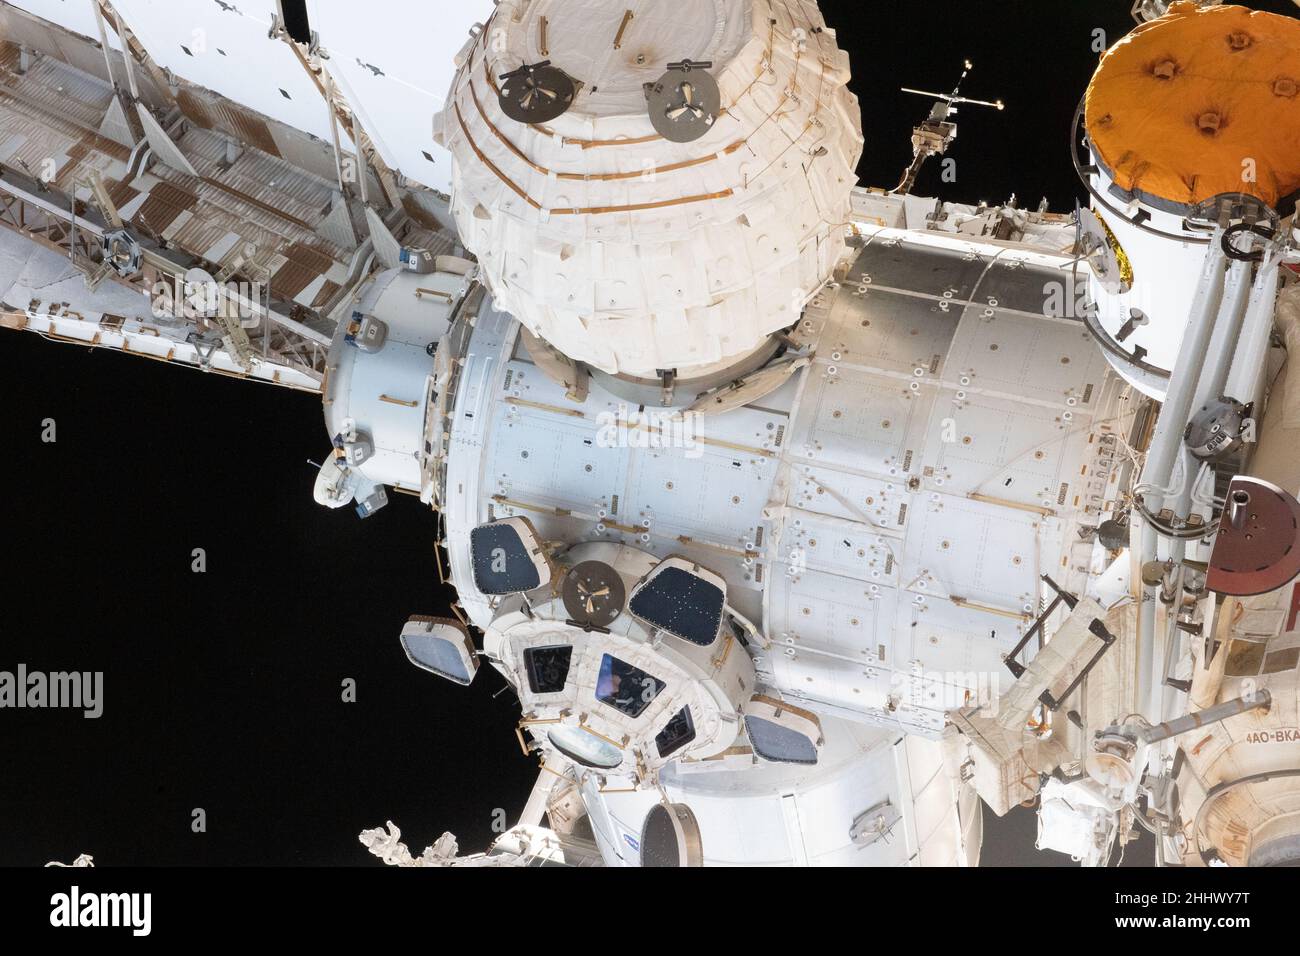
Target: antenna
(954, 97)
(937, 130)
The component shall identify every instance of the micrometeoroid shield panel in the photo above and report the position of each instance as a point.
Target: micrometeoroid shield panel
(779, 744)
(437, 655)
(440, 647)
(681, 603)
(502, 563)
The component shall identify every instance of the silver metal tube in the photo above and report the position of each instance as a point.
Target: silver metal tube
(1171, 638)
(126, 55)
(1201, 718)
(103, 42)
(1214, 375)
(1227, 330)
(1164, 448)
(334, 129)
(1186, 374)
(1238, 506)
(1246, 378)
(1146, 636)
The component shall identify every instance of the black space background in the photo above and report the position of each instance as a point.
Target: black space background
(222, 690)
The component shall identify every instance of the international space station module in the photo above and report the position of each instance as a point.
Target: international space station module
(803, 518)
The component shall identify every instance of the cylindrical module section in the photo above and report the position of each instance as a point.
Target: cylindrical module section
(1200, 103)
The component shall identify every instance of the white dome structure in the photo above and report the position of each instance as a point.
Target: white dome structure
(620, 247)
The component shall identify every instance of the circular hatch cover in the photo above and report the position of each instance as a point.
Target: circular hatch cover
(684, 103)
(593, 594)
(536, 93)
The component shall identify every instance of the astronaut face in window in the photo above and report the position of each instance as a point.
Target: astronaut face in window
(627, 689)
